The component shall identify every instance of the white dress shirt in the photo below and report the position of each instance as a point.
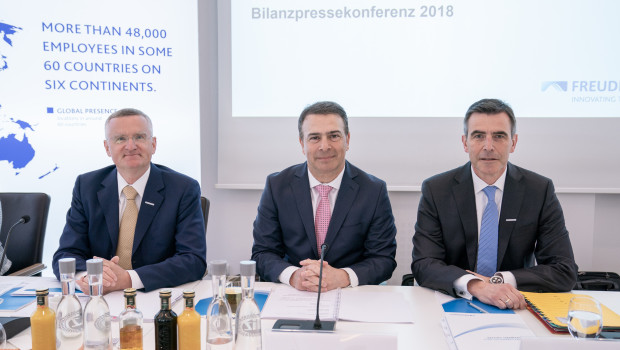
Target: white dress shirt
(460, 284)
(139, 185)
(285, 276)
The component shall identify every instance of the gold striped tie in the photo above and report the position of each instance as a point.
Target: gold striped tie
(127, 228)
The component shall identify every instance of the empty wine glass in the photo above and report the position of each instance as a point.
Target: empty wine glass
(585, 318)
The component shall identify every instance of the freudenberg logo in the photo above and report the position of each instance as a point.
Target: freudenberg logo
(582, 85)
(595, 86)
(557, 85)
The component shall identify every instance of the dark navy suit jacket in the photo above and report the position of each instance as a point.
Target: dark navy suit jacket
(169, 246)
(361, 233)
(531, 229)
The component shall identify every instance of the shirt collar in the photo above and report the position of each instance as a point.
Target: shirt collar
(139, 185)
(480, 185)
(335, 183)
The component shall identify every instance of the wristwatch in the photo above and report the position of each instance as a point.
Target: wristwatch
(497, 278)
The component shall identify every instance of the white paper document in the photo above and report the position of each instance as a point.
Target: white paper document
(485, 331)
(380, 307)
(347, 304)
(6, 286)
(337, 340)
(286, 302)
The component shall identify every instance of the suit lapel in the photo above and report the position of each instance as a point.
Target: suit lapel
(511, 204)
(465, 199)
(151, 201)
(300, 185)
(344, 202)
(108, 202)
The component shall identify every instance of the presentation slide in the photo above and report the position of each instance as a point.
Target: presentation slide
(406, 72)
(402, 58)
(65, 66)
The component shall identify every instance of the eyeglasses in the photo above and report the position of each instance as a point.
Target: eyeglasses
(137, 138)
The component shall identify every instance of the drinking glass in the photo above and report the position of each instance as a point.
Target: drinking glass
(585, 318)
(233, 293)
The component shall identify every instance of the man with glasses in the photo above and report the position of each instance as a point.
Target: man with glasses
(143, 219)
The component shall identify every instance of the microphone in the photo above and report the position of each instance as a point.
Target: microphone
(305, 325)
(24, 219)
(317, 321)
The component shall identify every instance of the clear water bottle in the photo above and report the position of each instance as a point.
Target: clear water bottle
(97, 334)
(69, 327)
(220, 333)
(248, 335)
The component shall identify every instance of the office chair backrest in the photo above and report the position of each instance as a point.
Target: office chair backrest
(25, 246)
(204, 202)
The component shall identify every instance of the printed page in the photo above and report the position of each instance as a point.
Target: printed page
(287, 302)
(382, 307)
(486, 331)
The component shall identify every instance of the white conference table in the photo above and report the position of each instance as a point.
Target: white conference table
(424, 333)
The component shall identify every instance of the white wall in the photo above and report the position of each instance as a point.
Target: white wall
(590, 217)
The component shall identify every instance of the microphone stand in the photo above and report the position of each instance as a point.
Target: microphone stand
(308, 325)
(13, 325)
(317, 321)
(24, 219)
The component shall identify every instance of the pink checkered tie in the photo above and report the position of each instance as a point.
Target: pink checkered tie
(323, 214)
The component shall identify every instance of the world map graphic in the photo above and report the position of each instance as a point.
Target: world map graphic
(15, 147)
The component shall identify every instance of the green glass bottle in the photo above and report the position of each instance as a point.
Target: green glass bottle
(165, 324)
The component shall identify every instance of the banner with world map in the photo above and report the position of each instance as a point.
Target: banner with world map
(65, 66)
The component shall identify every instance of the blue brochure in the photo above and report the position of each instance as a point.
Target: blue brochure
(33, 292)
(11, 303)
(463, 306)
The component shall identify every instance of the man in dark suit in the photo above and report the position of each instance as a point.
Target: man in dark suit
(325, 200)
(163, 243)
(514, 214)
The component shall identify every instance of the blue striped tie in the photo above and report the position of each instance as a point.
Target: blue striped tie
(487, 243)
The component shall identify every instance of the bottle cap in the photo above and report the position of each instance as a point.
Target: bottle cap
(43, 292)
(217, 267)
(165, 293)
(248, 268)
(188, 293)
(129, 292)
(94, 266)
(66, 265)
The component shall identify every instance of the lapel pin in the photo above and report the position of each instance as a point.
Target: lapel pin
(511, 219)
(149, 203)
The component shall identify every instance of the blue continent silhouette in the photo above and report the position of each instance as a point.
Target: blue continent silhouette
(18, 153)
(22, 124)
(6, 30)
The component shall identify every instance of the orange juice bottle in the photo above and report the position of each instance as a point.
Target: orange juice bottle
(43, 324)
(189, 324)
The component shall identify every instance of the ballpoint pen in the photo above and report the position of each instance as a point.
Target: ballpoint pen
(477, 307)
